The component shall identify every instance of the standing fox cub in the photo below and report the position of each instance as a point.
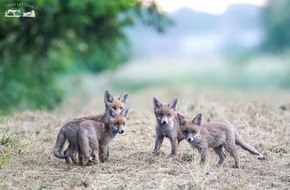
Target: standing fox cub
(167, 125)
(94, 137)
(69, 130)
(216, 136)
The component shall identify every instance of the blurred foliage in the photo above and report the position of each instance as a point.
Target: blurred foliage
(277, 25)
(64, 35)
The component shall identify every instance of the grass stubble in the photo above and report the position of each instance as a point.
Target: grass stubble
(262, 119)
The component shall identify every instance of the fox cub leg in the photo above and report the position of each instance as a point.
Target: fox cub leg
(233, 152)
(158, 143)
(95, 155)
(174, 147)
(204, 155)
(67, 153)
(90, 158)
(88, 150)
(103, 154)
(108, 154)
(219, 151)
(70, 154)
(85, 158)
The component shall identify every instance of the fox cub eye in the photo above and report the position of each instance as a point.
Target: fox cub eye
(114, 107)
(169, 114)
(185, 131)
(160, 114)
(121, 108)
(117, 124)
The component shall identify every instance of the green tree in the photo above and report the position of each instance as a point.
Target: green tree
(277, 25)
(65, 33)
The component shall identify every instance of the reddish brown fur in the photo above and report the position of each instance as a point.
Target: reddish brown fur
(94, 137)
(69, 130)
(216, 136)
(167, 125)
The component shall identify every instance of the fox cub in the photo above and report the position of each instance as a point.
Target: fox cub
(167, 125)
(70, 129)
(216, 136)
(94, 137)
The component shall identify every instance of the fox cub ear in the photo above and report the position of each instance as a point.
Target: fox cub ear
(181, 119)
(123, 97)
(157, 104)
(112, 112)
(124, 112)
(108, 98)
(173, 104)
(197, 119)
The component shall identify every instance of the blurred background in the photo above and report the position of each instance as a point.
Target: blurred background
(84, 47)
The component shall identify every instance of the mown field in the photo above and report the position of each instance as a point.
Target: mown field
(262, 118)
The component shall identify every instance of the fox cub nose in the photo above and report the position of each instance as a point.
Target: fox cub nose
(189, 139)
(164, 121)
(121, 131)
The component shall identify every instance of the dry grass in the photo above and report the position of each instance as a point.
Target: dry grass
(27, 140)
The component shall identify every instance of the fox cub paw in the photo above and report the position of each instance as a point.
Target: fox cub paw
(156, 152)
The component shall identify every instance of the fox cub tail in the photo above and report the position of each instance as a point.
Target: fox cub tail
(244, 145)
(59, 145)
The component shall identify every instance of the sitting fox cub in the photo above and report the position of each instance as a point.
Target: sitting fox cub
(94, 137)
(167, 125)
(69, 130)
(216, 136)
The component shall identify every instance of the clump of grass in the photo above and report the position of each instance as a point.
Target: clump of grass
(5, 159)
(7, 140)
